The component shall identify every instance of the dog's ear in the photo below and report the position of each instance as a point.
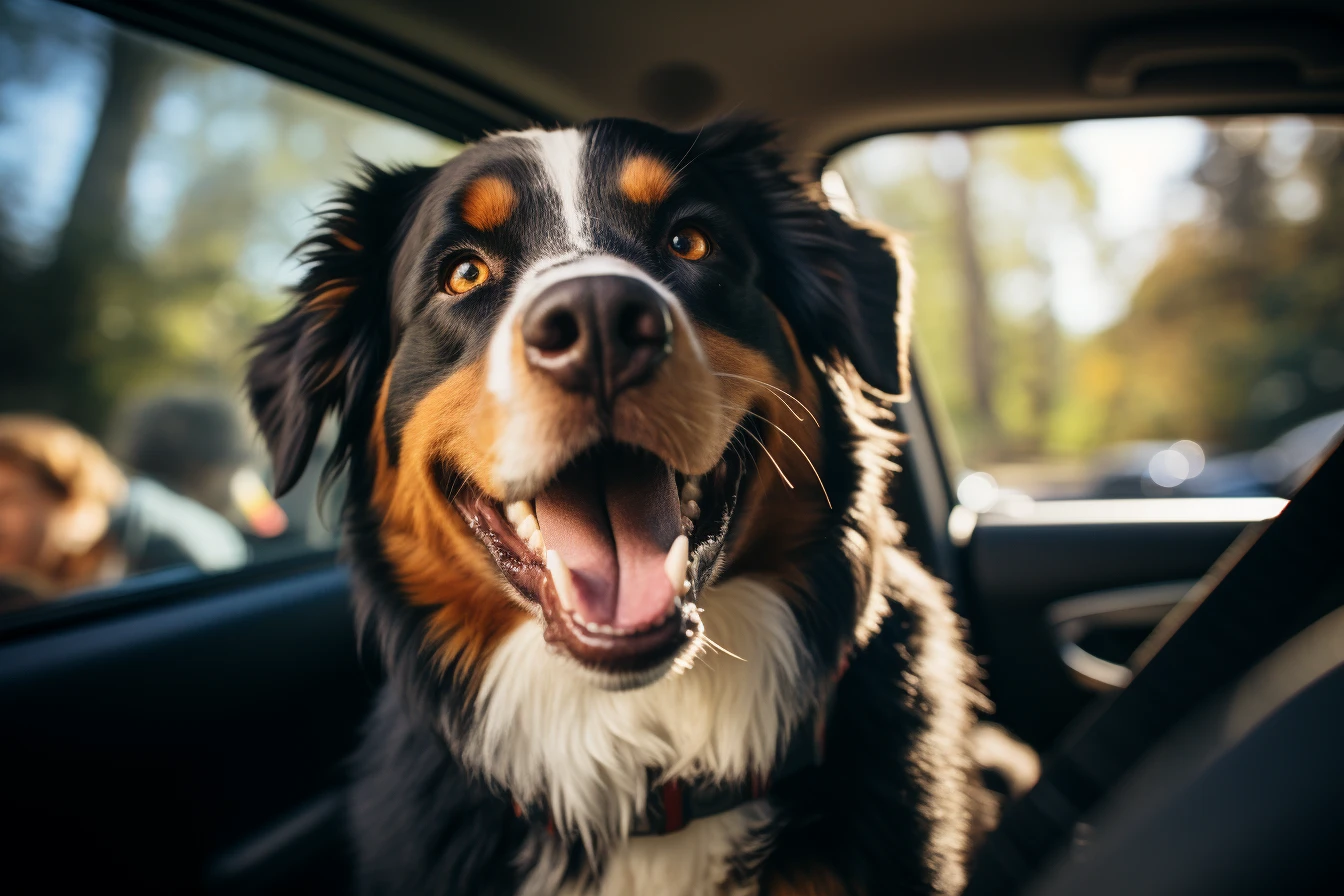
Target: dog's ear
(845, 289)
(327, 353)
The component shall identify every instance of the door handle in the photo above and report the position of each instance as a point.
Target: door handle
(1073, 619)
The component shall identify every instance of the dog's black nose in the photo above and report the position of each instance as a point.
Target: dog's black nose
(599, 335)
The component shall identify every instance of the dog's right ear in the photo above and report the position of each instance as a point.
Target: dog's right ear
(327, 353)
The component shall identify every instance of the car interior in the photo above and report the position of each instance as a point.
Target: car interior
(1176, 657)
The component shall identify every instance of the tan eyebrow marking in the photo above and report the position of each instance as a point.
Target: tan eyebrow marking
(488, 202)
(646, 180)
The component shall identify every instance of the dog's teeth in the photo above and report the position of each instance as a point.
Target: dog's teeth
(527, 526)
(564, 583)
(686, 586)
(690, 510)
(536, 544)
(519, 511)
(675, 564)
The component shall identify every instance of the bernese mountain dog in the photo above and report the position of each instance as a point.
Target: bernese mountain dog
(616, 409)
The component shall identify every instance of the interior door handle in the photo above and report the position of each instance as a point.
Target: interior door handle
(1073, 619)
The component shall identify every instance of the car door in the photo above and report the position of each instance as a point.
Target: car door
(1129, 338)
(180, 684)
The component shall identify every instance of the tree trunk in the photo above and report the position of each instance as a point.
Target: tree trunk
(979, 324)
(46, 356)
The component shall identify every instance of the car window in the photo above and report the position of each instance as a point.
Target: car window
(150, 196)
(1122, 308)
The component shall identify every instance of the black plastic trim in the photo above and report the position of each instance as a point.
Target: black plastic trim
(161, 587)
(328, 56)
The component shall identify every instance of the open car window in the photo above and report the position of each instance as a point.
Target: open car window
(152, 195)
(1123, 308)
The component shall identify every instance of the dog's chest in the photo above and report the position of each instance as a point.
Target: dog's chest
(552, 740)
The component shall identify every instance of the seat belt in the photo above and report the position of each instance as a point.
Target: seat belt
(1268, 586)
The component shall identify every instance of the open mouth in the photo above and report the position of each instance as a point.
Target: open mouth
(613, 551)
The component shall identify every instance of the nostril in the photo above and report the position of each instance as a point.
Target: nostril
(557, 331)
(640, 323)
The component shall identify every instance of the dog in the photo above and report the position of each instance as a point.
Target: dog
(616, 409)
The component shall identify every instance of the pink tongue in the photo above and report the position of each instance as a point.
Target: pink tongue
(612, 517)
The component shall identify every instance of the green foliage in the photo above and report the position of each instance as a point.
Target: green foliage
(1229, 334)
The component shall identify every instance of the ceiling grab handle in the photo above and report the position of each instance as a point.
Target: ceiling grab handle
(1315, 51)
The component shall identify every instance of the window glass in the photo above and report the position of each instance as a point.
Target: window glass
(1123, 308)
(149, 199)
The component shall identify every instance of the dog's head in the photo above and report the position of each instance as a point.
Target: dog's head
(580, 374)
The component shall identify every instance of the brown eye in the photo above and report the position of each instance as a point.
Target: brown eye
(689, 243)
(467, 274)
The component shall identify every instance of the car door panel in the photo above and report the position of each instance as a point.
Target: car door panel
(140, 747)
(1022, 572)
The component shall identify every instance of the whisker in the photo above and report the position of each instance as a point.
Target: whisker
(676, 169)
(807, 458)
(782, 393)
(815, 473)
(720, 648)
(778, 469)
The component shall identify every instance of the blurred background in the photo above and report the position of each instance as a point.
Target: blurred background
(1123, 308)
(149, 199)
(1137, 308)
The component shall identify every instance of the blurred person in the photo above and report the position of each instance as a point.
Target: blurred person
(194, 443)
(58, 494)
(71, 519)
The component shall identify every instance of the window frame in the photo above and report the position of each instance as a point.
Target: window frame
(935, 416)
(321, 59)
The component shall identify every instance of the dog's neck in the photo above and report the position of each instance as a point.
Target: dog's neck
(559, 744)
(672, 804)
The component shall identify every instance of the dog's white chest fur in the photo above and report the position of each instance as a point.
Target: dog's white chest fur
(551, 736)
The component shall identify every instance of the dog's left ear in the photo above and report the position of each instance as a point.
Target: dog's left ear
(845, 289)
(328, 352)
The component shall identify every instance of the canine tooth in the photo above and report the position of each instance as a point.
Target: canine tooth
(675, 564)
(535, 543)
(690, 491)
(519, 511)
(526, 526)
(691, 509)
(686, 586)
(564, 583)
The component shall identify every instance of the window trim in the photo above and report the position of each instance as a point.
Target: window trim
(322, 54)
(1270, 106)
(173, 585)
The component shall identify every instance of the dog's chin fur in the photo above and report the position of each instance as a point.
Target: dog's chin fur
(547, 735)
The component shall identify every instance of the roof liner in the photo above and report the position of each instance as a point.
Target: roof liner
(831, 73)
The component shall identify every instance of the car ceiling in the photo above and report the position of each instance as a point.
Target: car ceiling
(832, 72)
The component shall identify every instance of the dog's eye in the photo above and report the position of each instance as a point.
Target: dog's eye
(689, 243)
(467, 274)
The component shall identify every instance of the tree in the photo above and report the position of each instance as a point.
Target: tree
(44, 355)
